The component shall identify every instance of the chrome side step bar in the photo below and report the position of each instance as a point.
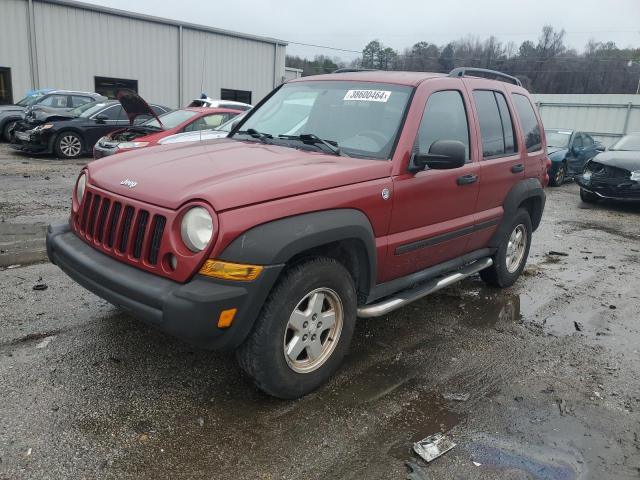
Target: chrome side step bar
(407, 296)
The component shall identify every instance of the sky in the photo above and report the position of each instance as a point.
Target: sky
(350, 25)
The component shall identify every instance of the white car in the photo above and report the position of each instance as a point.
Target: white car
(210, 102)
(202, 135)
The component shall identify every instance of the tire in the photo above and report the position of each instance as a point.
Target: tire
(263, 357)
(588, 197)
(5, 130)
(559, 177)
(68, 145)
(504, 272)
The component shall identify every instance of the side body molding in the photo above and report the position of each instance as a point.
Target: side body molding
(278, 241)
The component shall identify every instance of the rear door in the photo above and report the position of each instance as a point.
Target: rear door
(433, 210)
(501, 158)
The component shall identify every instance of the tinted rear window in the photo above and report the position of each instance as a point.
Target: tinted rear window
(496, 129)
(529, 122)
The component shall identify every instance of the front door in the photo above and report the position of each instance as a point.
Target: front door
(433, 210)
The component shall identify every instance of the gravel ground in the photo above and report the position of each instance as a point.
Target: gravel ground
(551, 367)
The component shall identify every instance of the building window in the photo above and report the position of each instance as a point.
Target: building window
(243, 96)
(109, 86)
(6, 94)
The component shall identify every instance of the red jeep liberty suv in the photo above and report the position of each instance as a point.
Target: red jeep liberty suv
(339, 196)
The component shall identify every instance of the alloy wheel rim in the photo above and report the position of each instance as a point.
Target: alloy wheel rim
(313, 330)
(560, 175)
(516, 247)
(70, 146)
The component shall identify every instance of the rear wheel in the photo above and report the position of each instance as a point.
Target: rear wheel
(68, 145)
(558, 178)
(588, 197)
(303, 331)
(6, 131)
(511, 257)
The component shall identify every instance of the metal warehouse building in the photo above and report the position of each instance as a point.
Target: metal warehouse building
(70, 45)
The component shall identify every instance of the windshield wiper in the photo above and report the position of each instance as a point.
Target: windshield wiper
(312, 139)
(263, 137)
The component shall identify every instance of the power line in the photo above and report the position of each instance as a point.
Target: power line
(324, 46)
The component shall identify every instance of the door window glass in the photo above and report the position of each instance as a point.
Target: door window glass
(507, 124)
(444, 118)
(54, 101)
(492, 131)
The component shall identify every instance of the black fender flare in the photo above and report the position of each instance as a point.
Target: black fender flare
(277, 241)
(529, 188)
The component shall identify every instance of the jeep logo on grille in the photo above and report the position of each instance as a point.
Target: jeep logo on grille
(128, 183)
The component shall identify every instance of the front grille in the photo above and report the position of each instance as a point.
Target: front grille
(125, 229)
(607, 171)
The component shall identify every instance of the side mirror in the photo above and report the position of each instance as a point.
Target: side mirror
(600, 147)
(443, 155)
(101, 119)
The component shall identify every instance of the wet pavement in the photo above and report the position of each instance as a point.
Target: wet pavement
(551, 367)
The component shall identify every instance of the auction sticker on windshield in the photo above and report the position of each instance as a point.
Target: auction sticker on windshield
(368, 95)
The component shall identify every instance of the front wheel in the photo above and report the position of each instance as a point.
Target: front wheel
(511, 257)
(558, 178)
(7, 130)
(303, 331)
(68, 145)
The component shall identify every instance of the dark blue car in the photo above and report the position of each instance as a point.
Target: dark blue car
(569, 151)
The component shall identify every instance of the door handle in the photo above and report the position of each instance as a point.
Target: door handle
(517, 168)
(467, 179)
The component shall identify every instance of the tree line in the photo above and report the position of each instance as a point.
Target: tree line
(545, 66)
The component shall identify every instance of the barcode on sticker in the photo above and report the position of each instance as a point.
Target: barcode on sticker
(368, 95)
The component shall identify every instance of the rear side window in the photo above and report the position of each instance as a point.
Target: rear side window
(444, 118)
(529, 122)
(77, 100)
(496, 126)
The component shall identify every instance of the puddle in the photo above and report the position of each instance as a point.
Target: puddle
(539, 463)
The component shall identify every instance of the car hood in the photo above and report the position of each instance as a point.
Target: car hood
(134, 105)
(11, 108)
(556, 153)
(227, 173)
(201, 135)
(620, 159)
(42, 114)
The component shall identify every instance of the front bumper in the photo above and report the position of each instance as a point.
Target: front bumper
(100, 151)
(28, 141)
(188, 311)
(611, 188)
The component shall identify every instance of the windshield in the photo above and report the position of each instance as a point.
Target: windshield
(630, 143)
(30, 100)
(171, 119)
(88, 109)
(228, 125)
(557, 138)
(361, 118)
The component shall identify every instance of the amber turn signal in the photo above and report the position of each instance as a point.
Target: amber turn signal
(230, 271)
(226, 317)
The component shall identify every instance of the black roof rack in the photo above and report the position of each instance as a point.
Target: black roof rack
(464, 71)
(349, 70)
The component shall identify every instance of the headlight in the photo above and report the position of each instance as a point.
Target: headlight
(197, 229)
(80, 186)
(635, 176)
(46, 126)
(132, 144)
